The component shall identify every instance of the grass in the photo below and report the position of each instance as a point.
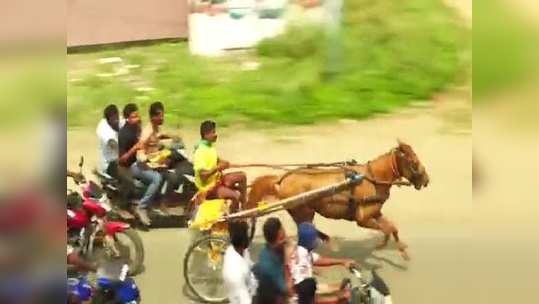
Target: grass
(388, 54)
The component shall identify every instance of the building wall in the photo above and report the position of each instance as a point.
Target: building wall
(91, 22)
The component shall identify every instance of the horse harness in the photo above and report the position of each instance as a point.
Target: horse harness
(381, 198)
(369, 176)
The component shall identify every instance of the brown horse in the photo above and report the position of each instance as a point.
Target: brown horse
(362, 203)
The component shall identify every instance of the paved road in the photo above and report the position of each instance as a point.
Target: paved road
(463, 251)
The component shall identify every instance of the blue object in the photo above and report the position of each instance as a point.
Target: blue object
(126, 291)
(307, 236)
(80, 288)
(355, 177)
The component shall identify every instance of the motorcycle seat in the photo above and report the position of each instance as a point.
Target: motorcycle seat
(103, 176)
(109, 179)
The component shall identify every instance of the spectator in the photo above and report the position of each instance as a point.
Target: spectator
(274, 285)
(239, 280)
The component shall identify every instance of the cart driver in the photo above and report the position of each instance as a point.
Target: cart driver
(208, 167)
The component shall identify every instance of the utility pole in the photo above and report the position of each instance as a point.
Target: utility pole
(333, 10)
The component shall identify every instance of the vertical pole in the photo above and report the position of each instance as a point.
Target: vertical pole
(333, 10)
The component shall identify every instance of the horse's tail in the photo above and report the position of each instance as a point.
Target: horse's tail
(262, 187)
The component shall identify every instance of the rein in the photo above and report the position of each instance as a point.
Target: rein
(344, 165)
(303, 166)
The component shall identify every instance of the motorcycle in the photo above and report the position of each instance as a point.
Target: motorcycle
(120, 290)
(90, 229)
(367, 291)
(184, 190)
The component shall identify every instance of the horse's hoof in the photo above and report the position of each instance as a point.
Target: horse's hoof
(402, 246)
(405, 255)
(381, 245)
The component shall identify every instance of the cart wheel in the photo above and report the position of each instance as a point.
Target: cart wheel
(202, 269)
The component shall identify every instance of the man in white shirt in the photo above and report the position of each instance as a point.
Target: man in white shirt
(107, 135)
(238, 278)
(301, 267)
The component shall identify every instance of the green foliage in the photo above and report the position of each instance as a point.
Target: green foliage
(387, 54)
(504, 49)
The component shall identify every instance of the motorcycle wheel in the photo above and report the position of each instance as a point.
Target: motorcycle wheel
(131, 249)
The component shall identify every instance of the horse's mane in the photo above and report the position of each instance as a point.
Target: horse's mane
(382, 155)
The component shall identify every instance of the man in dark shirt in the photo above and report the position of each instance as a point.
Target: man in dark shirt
(274, 282)
(129, 143)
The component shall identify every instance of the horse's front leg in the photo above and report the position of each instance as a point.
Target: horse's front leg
(390, 226)
(372, 223)
(368, 217)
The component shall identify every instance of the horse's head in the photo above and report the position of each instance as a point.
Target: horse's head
(410, 167)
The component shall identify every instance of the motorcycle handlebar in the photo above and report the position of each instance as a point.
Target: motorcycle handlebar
(79, 180)
(353, 268)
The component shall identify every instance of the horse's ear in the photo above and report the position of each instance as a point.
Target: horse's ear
(400, 142)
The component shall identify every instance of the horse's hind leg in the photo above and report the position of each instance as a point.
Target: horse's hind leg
(302, 214)
(306, 214)
(386, 228)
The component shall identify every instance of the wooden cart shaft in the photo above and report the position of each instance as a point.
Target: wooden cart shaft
(296, 200)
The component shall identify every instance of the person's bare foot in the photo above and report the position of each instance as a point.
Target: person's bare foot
(125, 215)
(142, 214)
(164, 209)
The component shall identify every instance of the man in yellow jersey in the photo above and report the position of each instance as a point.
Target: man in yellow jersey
(208, 167)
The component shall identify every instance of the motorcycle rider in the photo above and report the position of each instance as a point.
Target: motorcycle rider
(129, 143)
(107, 135)
(181, 165)
(153, 137)
(302, 262)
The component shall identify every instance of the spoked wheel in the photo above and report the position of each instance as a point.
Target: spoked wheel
(131, 250)
(202, 269)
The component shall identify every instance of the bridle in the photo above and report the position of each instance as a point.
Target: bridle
(394, 170)
(412, 166)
